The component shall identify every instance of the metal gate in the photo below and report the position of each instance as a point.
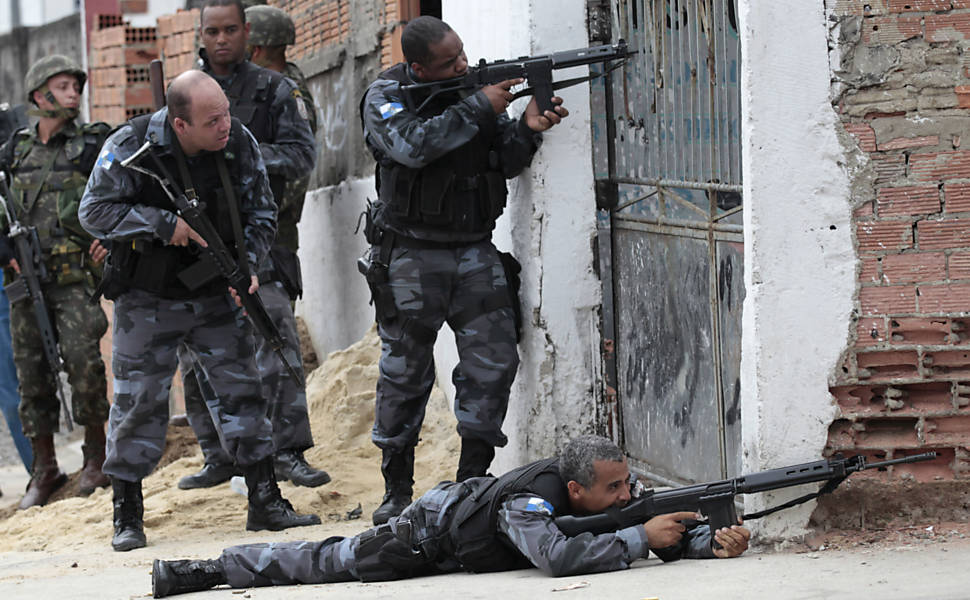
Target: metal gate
(666, 133)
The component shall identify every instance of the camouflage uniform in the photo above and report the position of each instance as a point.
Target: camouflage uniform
(525, 522)
(79, 324)
(289, 157)
(291, 205)
(442, 273)
(149, 328)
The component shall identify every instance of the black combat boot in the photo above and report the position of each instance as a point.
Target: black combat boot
(129, 513)
(170, 577)
(291, 465)
(267, 507)
(476, 456)
(398, 471)
(212, 474)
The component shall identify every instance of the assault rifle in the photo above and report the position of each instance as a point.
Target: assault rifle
(536, 70)
(715, 500)
(33, 274)
(191, 210)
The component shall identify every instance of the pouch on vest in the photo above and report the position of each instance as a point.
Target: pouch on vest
(66, 263)
(286, 265)
(435, 199)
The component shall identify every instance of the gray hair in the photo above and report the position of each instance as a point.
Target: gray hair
(577, 458)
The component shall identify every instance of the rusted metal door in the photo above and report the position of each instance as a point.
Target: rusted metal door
(667, 156)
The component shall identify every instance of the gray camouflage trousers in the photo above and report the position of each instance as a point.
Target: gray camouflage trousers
(431, 286)
(335, 559)
(147, 332)
(286, 397)
(79, 326)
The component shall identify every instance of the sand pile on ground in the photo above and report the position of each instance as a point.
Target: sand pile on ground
(341, 399)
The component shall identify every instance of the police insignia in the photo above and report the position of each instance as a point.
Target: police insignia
(539, 505)
(300, 103)
(106, 159)
(390, 109)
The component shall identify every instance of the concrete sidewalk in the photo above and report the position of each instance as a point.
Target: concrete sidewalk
(937, 570)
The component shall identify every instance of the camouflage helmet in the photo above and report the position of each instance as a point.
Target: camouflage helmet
(47, 67)
(270, 26)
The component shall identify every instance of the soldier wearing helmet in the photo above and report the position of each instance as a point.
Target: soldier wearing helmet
(48, 166)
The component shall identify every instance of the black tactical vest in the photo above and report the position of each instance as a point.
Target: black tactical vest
(474, 528)
(463, 191)
(173, 271)
(251, 95)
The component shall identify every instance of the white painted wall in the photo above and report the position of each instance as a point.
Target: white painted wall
(799, 264)
(548, 225)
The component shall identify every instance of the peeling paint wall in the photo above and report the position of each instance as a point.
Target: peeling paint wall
(799, 258)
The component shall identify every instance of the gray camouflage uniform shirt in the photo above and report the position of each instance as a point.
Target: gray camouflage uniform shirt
(394, 134)
(110, 208)
(528, 522)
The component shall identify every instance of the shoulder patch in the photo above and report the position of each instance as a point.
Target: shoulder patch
(539, 505)
(390, 109)
(300, 104)
(106, 159)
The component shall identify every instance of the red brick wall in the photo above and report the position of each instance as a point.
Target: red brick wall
(118, 59)
(905, 384)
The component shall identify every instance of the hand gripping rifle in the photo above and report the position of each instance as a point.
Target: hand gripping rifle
(33, 273)
(716, 500)
(536, 70)
(190, 209)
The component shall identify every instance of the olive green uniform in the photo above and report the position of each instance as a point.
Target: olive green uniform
(52, 194)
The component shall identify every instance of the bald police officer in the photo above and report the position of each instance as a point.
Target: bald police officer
(167, 296)
(49, 165)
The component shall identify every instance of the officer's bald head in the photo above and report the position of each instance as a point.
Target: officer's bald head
(198, 111)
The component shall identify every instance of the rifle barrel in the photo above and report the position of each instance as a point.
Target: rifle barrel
(903, 460)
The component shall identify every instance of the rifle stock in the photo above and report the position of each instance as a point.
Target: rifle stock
(32, 275)
(715, 500)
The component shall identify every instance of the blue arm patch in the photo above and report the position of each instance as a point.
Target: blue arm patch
(539, 505)
(390, 109)
(106, 159)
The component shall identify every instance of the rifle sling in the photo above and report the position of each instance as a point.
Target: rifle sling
(828, 488)
(230, 198)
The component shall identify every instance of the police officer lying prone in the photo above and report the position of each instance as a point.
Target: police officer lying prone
(480, 525)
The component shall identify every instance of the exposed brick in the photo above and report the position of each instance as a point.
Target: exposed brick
(956, 197)
(947, 27)
(952, 233)
(921, 330)
(864, 210)
(889, 167)
(926, 398)
(876, 236)
(903, 359)
(940, 468)
(939, 166)
(869, 271)
(899, 6)
(947, 298)
(963, 95)
(871, 331)
(910, 200)
(914, 142)
(958, 265)
(864, 135)
(946, 430)
(888, 299)
(910, 268)
(863, 8)
(888, 433)
(891, 30)
(948, 363)
(134, 6)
